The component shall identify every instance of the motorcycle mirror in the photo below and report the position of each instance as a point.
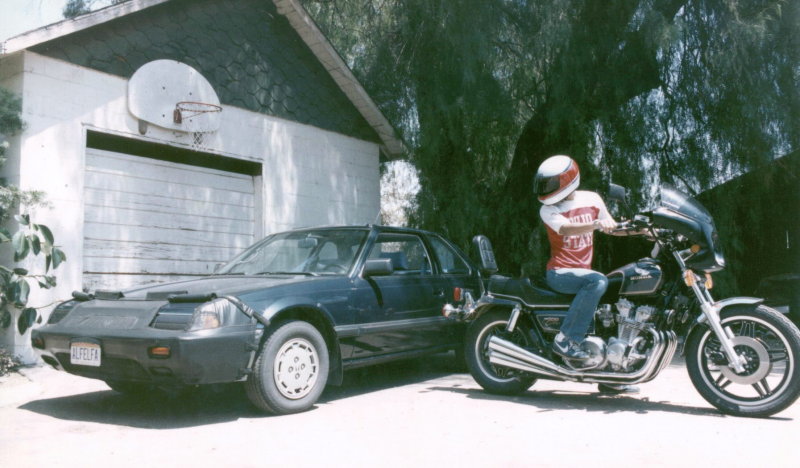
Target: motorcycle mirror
(617, 193)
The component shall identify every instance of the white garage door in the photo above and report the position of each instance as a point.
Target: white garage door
(149, 221)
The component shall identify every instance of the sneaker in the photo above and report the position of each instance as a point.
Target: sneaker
(567, 348)
(617, 389)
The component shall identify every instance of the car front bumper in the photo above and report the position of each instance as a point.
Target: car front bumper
(200, 357)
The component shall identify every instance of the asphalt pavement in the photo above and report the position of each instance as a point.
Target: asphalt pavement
(420, 413)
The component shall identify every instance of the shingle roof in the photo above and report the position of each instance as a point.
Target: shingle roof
(266, 57)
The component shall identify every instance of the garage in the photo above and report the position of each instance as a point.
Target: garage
(139, 190)
(152, 220)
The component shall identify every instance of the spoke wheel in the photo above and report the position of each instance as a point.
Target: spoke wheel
(495, 379)
(769, 345)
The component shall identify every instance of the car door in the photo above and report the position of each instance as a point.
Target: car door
(451, 270)
(407, 310)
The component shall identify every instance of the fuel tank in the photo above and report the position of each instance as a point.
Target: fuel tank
(641, 278)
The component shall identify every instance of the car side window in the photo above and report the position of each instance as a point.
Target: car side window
(406, 251)
(450, 262)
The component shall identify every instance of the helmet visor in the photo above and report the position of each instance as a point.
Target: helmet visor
(544, 185)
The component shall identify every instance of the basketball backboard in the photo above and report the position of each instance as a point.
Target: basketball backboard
(173, 95)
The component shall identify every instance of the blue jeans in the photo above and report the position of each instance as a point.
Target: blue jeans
(588, 287)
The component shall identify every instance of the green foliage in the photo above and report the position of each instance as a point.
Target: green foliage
(75, 8)
(639, 92)
(29, 240)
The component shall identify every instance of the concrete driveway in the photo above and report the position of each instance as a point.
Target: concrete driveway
(417, 413)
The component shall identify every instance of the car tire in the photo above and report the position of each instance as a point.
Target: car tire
(291, 370)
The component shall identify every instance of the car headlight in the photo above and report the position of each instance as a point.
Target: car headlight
(212, 314)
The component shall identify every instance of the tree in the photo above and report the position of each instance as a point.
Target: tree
(30, 239)
(75, 8)
(399, 186)
(690, 92)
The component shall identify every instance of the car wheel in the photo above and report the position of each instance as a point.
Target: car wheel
(291, 370)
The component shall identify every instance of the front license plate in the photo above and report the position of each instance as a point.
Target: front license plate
(84, 354)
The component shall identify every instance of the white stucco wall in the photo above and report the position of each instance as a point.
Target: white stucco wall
(310, 176)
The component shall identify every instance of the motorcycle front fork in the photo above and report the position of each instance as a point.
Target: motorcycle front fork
(711, 310)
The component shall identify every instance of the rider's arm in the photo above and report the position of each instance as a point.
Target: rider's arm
(604, 221)
(570, 228)
(566, 227)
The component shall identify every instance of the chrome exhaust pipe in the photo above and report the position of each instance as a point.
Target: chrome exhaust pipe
(507, 354)
(503, 351)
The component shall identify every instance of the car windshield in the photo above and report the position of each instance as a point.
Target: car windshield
(308, 252)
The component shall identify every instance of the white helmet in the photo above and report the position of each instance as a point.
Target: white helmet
(556, 179)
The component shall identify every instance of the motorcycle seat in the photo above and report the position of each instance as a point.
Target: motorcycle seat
(528, 291)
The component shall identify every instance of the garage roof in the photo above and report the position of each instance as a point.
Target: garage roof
(298, 18)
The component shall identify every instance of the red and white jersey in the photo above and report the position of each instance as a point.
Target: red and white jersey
(572, 251)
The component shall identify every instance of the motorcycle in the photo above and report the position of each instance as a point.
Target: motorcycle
(740, 354)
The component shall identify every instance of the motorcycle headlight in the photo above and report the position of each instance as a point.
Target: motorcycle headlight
(212, 314)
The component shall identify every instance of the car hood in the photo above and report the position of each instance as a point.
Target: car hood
(136, 308)
(220, 285)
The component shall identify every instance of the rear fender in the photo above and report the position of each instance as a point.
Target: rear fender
(487, 303)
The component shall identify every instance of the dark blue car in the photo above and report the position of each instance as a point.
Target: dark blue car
(287, 316)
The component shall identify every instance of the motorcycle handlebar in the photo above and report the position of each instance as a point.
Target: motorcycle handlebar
(632, 228)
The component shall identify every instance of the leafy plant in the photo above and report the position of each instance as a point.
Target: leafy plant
(29, 240)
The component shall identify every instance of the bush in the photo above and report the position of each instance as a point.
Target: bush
(8, 362)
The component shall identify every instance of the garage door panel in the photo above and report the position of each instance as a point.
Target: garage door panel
(125, 281)
(107, 162)
(143, 266)
(176, 191)
(147, 220)
(168, 221)
(156, 251)
(162, 204)
(95, 231)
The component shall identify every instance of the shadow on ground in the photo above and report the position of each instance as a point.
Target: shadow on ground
(222, 403)
(216, 404)
(589, 401)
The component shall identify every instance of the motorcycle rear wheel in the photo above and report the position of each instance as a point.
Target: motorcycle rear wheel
(495, 379)
(771, 346)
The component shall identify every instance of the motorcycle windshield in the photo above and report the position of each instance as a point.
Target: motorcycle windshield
(678, 201)
(694, 222)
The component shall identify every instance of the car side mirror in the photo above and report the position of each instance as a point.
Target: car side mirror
(377, 267)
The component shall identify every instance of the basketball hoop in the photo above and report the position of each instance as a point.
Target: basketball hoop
(188, 109)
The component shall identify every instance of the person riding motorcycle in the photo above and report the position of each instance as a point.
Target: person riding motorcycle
(571, 216)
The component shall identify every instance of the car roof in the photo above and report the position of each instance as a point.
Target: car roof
(376, 227)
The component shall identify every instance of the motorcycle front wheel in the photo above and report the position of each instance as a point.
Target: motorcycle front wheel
(495, 379)
(770, 344)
